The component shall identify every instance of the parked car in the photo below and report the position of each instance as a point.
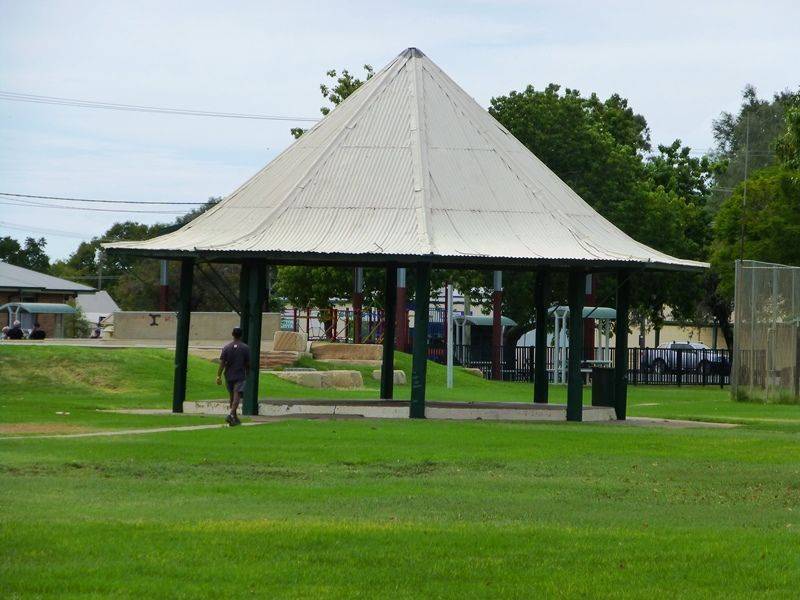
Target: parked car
(674, 357)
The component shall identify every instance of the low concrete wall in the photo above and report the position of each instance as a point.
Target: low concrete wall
(155, 325)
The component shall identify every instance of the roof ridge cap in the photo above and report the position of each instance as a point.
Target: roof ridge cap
(421, 166)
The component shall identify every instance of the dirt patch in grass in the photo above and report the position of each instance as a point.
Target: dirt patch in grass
(42, 428)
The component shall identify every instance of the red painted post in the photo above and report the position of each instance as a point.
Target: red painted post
(346, 325)
(358, 301)
(589, 324)
(401, 312)
(497, 325)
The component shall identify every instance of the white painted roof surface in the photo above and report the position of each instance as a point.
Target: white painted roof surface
(14, 278)
(408, 166)
(98, 302)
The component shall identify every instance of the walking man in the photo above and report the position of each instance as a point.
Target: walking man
(235, 362)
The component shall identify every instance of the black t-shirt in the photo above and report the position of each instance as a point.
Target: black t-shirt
(15, 333)
(236, 356)
(37, 334)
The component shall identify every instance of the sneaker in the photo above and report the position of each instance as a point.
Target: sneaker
(236, 420)
(229, 420)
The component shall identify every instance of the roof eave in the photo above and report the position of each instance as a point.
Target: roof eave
(466, 262)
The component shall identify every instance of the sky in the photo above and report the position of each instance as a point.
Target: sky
(679, 64)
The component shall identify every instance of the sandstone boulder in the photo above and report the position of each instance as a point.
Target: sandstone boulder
(311, 379)
(342, 379)
(476, 372)
(399, 376)
(347, 351)
(291, 341)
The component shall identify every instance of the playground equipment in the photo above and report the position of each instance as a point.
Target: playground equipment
(603, 317)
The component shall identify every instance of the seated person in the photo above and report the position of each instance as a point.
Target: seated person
(37, 333)
(4, 334)
(15, 333)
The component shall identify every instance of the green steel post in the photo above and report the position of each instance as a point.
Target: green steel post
(419, 363)
(257, 289)
(182, 335)
(389, 314)
(244, 300)
(621, 345)
(540, 379)
(576, 294)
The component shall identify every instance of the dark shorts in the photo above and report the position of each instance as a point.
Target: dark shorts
(235, 386)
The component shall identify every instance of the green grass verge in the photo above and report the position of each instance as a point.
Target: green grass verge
(403, 509)
(41, 381)
(396, 509)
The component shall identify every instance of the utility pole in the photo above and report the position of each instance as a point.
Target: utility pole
(163, 288)
(98, 258)
(744, 190)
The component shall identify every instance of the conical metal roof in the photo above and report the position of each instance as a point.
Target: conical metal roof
(408, 168)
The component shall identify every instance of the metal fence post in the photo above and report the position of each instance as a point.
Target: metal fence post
(621, 342)
(576, 293)
(420, 347)
(387, 365)
(256, 293)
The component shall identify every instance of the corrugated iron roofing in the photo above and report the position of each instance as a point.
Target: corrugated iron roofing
(408, 166)
(13, 277)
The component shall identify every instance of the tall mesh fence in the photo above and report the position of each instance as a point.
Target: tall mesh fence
(766, 345)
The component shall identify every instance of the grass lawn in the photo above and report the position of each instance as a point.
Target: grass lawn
(394, 509)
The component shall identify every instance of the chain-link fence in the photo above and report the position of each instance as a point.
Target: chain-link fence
(766, 360)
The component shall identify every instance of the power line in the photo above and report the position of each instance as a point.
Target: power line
(77, 103)
(10, 202)
(68, 199)
(56, 232)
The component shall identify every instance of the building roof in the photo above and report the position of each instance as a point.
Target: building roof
(589, 312)
(98, 302)
(16, 278)
(39, 308)
(409, 168)
(485, 320)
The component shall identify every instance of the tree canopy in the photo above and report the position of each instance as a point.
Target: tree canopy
(598, 147)
(30, 254)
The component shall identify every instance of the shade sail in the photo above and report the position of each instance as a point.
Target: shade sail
(39, 308)
(409, 167)
(485, 320)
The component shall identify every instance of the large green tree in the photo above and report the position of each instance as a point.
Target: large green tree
(745, 139)
(770, 220)
(30, 254)
(598, 147)
(760, 220)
